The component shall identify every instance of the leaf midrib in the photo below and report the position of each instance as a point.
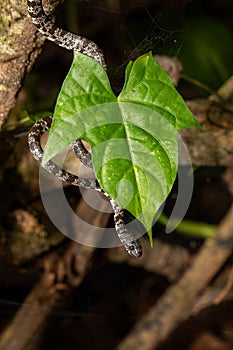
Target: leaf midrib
(128, 142)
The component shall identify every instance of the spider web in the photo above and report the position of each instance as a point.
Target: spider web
(160, 41)
(152, 36)
(156, 39)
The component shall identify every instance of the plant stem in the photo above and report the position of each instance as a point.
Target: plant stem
(191, 228)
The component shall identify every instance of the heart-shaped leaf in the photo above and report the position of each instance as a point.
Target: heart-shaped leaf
(133, 136)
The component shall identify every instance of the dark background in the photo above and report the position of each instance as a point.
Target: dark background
(113, 295)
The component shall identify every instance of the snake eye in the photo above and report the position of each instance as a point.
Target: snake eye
(134, 249)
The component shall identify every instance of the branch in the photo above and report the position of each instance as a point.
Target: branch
(212, 144)
(62, 273)
(177, 302)
(165, 260)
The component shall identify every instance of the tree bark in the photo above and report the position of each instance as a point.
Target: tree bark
(19, 48)
(212, 144)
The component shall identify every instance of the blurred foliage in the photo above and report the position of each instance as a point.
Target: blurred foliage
(207, 51)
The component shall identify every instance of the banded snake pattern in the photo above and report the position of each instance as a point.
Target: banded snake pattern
(72, 41)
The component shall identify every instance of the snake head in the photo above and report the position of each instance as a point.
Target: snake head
(134, 249)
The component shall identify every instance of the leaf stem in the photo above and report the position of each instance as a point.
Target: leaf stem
(191, 228)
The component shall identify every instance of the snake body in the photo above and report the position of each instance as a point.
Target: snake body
(71, 41)
(61, 37)
(34, 137)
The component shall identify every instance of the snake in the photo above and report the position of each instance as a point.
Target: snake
(87, 47)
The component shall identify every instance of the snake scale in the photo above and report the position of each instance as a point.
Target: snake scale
(71, 41)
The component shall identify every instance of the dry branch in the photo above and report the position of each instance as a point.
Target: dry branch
(177, 302)
(163, 259)
(31, 317)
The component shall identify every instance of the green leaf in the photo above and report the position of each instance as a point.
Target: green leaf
(133, 137)
(149, 85)
(85, 85)
(137, 164)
